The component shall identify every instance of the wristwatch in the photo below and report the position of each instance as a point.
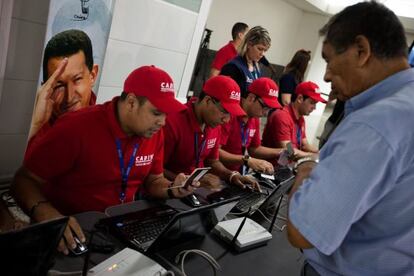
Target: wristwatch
(304, 160)
(245, 159)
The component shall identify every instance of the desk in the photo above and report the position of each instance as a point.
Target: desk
(277, 257)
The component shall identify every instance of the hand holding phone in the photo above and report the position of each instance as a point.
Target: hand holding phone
(287, 155)
(195, 176)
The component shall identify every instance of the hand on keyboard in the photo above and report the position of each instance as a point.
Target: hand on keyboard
(245, 182)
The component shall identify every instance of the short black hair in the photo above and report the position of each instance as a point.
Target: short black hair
(141, 99)
(295, 96)
(373, 20)
(239, 27)
(202, 95)
(65, 44)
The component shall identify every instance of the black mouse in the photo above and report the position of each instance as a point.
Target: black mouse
(80, 247)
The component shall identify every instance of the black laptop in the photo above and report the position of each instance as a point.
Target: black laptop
(31, 250)
(251, 201)
(160, 227)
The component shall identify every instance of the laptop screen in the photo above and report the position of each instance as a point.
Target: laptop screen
(160, 227)
(33, 248)
(192, 224)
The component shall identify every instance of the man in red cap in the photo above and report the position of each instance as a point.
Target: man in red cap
(288, 125)
(193, 135)
(240, 138)
(99, 156)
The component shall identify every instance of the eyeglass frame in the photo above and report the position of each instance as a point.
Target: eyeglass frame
(262, 104)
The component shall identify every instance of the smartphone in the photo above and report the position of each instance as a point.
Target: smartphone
(196, 175)
(290, 150)
(286, 155)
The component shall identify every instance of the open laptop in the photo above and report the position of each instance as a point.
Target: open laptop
(31, 250)
(160, 227)
(251, 201)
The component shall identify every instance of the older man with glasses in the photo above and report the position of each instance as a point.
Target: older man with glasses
(192, 136)
(240, 138)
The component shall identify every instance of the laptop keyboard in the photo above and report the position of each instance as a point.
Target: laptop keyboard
(248, 198)
(143, 227)
(249, 201)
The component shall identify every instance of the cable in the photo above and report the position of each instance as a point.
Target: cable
(183, 254)
(269, 221)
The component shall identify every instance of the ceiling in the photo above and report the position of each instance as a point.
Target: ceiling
(403, 8)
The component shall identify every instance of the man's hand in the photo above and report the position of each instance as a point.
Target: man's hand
(45, 99)
(47, 212)
(73, 228)
(211, 182)
(245, 181)
(260, 165)
(179, 191)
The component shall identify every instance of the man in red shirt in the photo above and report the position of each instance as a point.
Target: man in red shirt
(288, 124)
(240, 138)
(99, 156)
(69, 75)
(192, 136)
(229, 51)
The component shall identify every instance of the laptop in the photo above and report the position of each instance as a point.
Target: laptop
(251, 201)
(31, 250)
(160, 227)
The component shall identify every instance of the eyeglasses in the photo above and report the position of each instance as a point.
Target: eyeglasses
(220, 107)
(262, 104)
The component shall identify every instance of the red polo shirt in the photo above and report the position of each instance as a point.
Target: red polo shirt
(79, 160)
(47, 126)
(284, 126)
(234, 131)
(182, 131)
(224, 55)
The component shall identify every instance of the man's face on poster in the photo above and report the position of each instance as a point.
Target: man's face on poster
(73, 88)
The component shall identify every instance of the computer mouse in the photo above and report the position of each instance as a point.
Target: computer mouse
(80, 247)
(191, 200)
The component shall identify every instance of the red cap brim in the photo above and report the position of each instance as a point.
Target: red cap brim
(167, 104)
(233, 108)
(318, 98)
(273, 102)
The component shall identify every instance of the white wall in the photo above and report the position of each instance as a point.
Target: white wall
(27, 32)
(282, 20)
(148, 32)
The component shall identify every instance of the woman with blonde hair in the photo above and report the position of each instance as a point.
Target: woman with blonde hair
(244, 68)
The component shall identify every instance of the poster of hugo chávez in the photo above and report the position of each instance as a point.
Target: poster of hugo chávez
(75, 45)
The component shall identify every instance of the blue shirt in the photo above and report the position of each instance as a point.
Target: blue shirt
(357, 206)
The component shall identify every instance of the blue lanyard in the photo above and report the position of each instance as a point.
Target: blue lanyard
(255, 73)
(298, 135)
(198, 150)
(125, 172)
(244, 133)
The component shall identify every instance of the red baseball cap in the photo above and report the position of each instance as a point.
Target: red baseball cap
(227, 91)
(309, 89)
(267, 90)
(156, 85)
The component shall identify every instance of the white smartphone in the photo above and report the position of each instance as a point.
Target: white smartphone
(196, 175)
